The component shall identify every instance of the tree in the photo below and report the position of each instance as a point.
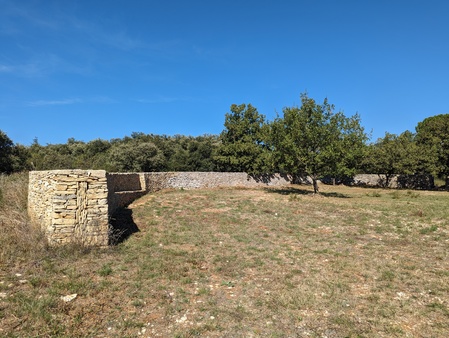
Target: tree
(432, 135)
(192, 153)
(313, 141)
(348, 147)
(136, 157)
(20, 158)
(242, 147)
(96, 154)
(393, 155)
(6, 152)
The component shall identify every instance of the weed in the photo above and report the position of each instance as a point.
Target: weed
(412, 194)
(439, 306)
(203, 291)
(395, 195)
(105, 270)
(374, 194)
(294, 198)
(428, 230)
(130, 323)
(387, 275)
(138, 303)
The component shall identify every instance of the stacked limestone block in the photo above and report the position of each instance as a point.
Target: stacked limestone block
(70, 205)
(195, 180)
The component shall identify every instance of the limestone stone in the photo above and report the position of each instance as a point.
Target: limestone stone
(63, 221)
(97, 195)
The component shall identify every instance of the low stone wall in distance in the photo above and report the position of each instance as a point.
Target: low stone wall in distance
(420, 182)
(196, 180)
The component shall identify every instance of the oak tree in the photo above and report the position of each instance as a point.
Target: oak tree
(313, 141)
(392, 155)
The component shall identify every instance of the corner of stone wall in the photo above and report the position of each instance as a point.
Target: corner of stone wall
(70, 205)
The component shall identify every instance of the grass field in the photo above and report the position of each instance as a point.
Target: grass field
(244, 263)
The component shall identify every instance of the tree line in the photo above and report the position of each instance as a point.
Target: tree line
(308, 140)
(136, 153)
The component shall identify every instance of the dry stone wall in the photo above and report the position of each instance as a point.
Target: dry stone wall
(196, 180)
(417, 181)
(77, 205)
(70, 205)
(123, 188)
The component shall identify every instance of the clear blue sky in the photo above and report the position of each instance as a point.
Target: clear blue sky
(103, 69)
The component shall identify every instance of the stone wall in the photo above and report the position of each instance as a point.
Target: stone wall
(125, 181)
(123, 188)
(195, 180)
(70, 205)
(77, 205)
(425, 182)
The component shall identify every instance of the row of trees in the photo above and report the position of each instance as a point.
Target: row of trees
(310, 140)
(423, 152)
(139, 152)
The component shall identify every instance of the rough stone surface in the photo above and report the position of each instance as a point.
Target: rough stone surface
(195, 180)
(65, 202)
(396, 181)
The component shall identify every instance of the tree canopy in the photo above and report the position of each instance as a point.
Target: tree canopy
(138, 152)
(392, 155)
(312, 140)
(6, 152)
(432, 134)
(242, 147)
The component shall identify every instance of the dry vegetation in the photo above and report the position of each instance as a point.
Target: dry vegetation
(19, 241)
(241, 263)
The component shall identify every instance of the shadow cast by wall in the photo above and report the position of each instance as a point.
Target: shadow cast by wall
(121, 226)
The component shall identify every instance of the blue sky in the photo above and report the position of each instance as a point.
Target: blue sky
(103, 69)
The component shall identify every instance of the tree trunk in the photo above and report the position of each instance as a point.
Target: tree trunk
(315, 185)
(387, 181)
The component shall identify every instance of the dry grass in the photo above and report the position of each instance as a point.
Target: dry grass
(248, 263)
(20, 240)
